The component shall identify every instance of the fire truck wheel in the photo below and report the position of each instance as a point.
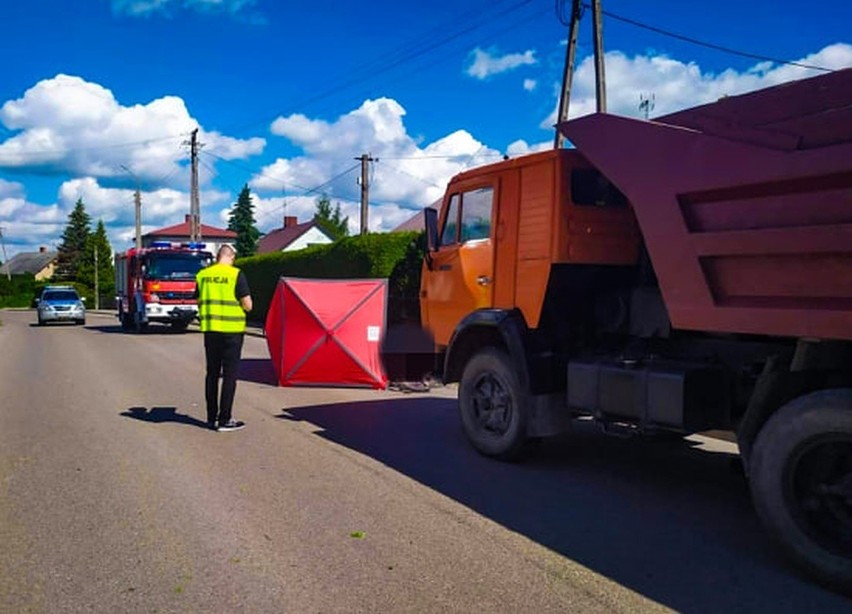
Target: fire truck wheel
(492, 406)
(801, 483)
(138, 325)
(125, 319)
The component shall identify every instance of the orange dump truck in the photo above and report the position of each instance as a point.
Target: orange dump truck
(673, 276)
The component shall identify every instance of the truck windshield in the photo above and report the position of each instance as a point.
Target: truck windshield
(175, 266)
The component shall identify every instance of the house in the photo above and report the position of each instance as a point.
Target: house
(211, 236)
(40, 264)
(417, 222)
(293, 236)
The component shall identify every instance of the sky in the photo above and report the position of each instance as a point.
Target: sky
(98, 97)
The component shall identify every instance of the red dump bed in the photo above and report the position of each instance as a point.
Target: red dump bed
(745, 205)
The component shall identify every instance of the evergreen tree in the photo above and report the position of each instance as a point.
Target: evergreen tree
(73, 242)
(330, 220)
(242, 222)
(106, 270)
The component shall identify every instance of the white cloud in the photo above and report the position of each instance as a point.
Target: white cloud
(66, 125)
(407, 175)
(485, 64)
(530, 84)
(521, 147)
(9, 189)
(677, 85)
(148, 8)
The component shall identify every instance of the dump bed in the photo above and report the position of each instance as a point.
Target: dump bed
(745, 205)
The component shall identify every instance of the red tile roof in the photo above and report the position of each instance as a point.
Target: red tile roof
(182, 230)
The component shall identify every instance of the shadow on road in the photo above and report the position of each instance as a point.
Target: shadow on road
(258, 371)
(162, 414)
(154, 329)
(666, 519)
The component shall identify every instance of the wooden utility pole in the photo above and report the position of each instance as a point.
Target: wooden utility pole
(600, 77)
(570, 60)
(568, 71)
(194, 204)
(365, 189)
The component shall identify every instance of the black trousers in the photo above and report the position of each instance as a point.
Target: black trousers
(222, 351)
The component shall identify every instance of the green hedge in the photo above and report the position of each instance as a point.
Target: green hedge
(23, 289)
(18, 292)
(396, 256)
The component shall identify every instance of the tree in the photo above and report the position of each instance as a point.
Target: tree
(73, 242)
(242, 222)
(106, 271)
(330, 220)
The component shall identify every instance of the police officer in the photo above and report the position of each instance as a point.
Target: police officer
(224, 299)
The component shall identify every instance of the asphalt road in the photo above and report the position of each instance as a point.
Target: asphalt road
(114, 498)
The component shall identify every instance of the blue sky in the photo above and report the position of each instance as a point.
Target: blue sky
(97, 96)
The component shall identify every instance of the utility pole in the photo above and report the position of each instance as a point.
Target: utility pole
(194, 204)
(97, 302)
(568, 70)
(600, 77)
(570, 60)
(365, 189)
(137, 202)
(5, 259)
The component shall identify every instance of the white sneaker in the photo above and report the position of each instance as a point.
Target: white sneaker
(232, 425)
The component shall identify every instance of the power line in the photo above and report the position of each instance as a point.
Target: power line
(701, 43)
(418, 49)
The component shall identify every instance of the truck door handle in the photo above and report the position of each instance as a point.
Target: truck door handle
(483, 280)
(445, 267)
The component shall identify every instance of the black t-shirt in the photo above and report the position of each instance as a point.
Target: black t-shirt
(242, 288)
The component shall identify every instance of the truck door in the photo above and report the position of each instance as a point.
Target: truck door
(461, 275)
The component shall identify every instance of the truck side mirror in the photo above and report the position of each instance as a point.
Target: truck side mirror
(430, 219)
(430, 222)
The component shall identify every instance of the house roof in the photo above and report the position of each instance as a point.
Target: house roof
(182, 230)
(416, 222)
(279, 239)
(27, 262)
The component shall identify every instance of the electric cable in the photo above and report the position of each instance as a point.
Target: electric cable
(701, 43)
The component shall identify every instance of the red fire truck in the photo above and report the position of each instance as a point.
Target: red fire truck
(157, 284)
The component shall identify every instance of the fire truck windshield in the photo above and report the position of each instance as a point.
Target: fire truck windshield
(175, 266)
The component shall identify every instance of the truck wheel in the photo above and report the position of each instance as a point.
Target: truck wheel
(139, 326)
(125, 319)
(801, 483)
(492, 406)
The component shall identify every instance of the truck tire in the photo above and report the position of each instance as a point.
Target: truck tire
(492, 406)
(801, 483)
(125, 319)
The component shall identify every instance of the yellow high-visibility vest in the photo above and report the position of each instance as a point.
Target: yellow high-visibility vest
(218, 308)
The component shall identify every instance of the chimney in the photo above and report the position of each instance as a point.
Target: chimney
(188, 218)
(42, 249)
(290, 220)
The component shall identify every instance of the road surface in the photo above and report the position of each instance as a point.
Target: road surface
(114, 498)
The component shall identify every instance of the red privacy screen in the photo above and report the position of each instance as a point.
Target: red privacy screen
(327, 332)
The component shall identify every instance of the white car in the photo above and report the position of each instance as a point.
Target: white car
(60, 304)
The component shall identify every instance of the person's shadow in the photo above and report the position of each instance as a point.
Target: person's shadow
(162, 414)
